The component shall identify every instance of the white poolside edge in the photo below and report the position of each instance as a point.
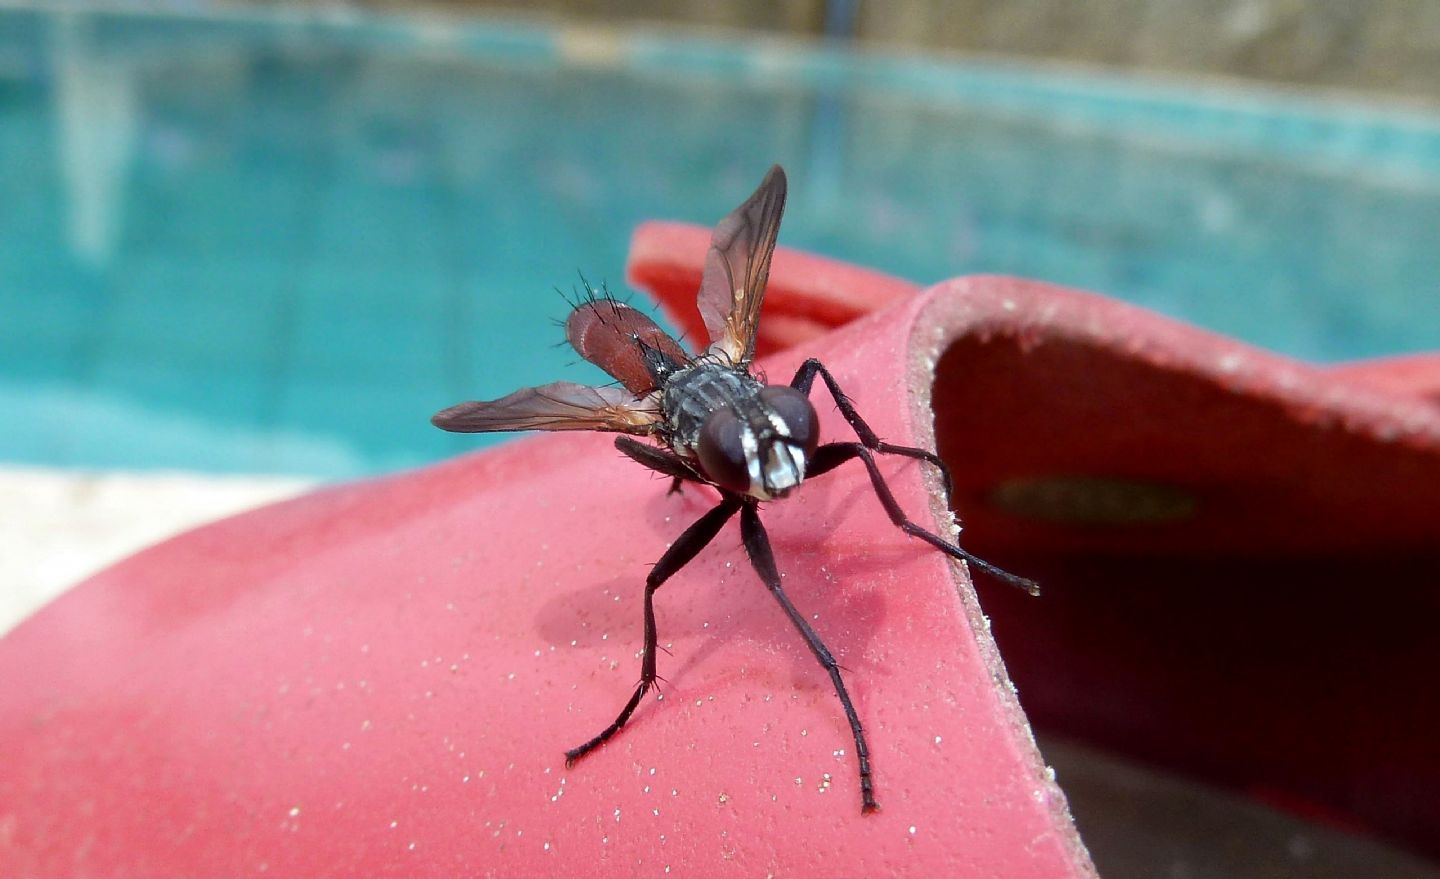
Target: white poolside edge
(58, 527)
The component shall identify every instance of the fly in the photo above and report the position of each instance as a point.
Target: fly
(714, 423)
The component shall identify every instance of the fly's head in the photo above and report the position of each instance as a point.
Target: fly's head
(765, 456)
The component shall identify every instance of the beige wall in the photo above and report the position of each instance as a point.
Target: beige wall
(1384, 45)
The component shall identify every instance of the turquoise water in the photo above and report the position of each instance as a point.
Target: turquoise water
(278, 244)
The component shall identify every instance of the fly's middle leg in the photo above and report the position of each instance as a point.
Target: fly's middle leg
(689, 544)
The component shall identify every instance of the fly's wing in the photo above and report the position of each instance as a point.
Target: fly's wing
(558, 406)
(737, 267)
(624, 342)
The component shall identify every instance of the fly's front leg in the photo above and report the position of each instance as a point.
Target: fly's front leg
(832, 455)
(689, 544)
(805, 377)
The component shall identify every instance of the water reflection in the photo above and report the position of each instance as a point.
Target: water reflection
(95, 104)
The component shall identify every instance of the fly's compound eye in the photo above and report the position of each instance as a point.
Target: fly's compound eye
(801, 426)
(722, 451)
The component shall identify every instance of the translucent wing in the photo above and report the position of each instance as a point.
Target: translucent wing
(737, 267)
(558, 406)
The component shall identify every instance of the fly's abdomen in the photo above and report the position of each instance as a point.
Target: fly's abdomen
(623, 342)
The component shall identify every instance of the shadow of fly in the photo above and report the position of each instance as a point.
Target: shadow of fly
(713, 423)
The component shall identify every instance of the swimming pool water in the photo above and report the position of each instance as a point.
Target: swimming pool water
(278, 244)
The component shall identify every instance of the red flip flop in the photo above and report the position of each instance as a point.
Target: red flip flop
(381, 679)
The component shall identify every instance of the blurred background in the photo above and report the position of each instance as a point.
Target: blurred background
(248, 247)
(272, 240)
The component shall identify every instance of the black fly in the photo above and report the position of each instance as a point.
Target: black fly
(714, 423)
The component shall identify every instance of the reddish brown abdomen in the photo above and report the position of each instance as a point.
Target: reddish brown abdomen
(612, 336)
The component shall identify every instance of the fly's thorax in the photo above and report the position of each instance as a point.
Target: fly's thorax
(746, 437)
(692, 393)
